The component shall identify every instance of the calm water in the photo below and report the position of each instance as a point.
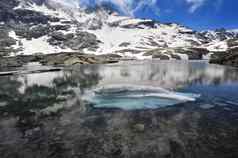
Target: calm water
(171, 109)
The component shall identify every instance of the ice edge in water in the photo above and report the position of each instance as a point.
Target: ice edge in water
(131, 97)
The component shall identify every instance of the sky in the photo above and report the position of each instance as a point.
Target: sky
(196, 14)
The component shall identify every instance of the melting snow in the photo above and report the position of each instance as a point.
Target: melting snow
(112, 34)
(35, 45)
(217, 46)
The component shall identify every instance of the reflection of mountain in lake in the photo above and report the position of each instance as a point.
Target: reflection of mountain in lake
(167, 75)
(44, 115)
(42, 87)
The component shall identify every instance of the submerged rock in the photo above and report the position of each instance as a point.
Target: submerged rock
(139, 127)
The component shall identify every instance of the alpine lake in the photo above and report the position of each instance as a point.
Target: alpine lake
(131, 109)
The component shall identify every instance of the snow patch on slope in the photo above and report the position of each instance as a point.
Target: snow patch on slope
(217, 46)
(36, 45)
(39, 45)
(125, 36)
(140, 39)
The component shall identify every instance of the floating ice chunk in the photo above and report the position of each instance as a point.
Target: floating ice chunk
(172, 95)
(130, 97)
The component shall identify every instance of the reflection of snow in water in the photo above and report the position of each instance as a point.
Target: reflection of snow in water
(161, 74)
(129, 78)
(136, 97)
(40, 79)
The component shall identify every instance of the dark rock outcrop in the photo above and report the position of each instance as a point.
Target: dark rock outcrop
(226, 58)
(58, 38)
(232, 43)
(60, 27)
(35, 31)
(83, 40)
(77, 41)
(229, 57)
(5, 41)
(6, 9)
(11, 62)
(29, 32)
(9, 14)
(60, 59)
(160, 56)
(29, 16)
(124, 44)
(69, 59)
(175, 56)
(193, 53)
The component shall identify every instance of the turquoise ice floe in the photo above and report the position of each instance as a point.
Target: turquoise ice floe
(130, 97)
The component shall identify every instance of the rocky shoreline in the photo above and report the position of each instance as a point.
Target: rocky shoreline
(26, 28)
(59, 59)
(229, 57)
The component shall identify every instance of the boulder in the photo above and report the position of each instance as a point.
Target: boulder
(60, 27)
(124, 44)
(161, 56)
(176, 56)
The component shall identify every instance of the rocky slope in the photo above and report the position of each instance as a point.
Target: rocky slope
(29, 27)
(229, 57)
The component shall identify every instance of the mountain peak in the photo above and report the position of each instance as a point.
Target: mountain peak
(53, 26)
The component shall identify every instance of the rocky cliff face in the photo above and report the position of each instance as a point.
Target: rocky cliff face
(49, 26)
(229, 57)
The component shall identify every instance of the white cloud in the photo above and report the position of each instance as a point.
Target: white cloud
(195, 4)
(218, 4)
(128, 7)
(151, 4)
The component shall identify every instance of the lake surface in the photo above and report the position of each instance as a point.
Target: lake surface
(168, 109)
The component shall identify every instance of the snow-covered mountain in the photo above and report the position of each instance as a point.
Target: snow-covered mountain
(52, 26)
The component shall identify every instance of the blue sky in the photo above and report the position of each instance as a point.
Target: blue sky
(197, 14)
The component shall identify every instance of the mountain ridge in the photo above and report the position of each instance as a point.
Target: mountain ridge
(53, 27)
